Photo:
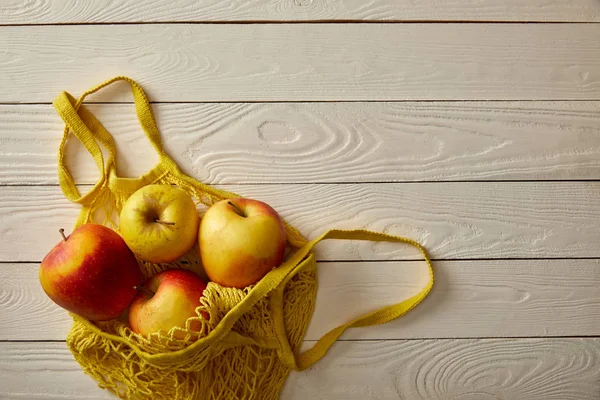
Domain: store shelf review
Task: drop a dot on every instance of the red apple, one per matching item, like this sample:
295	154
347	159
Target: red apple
91	273
240	241
165	301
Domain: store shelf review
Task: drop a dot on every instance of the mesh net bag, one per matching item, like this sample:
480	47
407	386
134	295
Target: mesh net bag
249	339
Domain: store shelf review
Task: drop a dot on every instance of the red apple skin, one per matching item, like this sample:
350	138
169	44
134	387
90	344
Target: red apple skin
177	294
92	273
238	250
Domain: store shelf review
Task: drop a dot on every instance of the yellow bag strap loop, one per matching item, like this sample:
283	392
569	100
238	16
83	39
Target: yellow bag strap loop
73	114
142	108
91	133
309	357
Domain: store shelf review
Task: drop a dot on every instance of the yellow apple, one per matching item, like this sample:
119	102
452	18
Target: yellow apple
91	273
159	223
240	241
167	300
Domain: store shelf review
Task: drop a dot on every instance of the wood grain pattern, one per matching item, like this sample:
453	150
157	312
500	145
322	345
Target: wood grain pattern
322	142
532	369
337	125
27	313
453	220
554	369
44	371
72	11
280	62
471	299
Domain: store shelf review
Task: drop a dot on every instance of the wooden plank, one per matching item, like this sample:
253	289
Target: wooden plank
556	369
44	371
322	142
72	11
280	62
530	369
471	299
453	220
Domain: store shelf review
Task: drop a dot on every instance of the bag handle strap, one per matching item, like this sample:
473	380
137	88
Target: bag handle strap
72	114
86	127
303	360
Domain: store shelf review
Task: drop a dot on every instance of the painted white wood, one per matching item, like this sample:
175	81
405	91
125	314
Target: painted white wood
531	369
471	299
73	11
555	369
322	142
44	371
274	62
293	145
453	220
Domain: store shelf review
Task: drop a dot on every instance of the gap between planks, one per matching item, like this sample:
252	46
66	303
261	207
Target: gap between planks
403	261
184	102
591	180
297	22
479	338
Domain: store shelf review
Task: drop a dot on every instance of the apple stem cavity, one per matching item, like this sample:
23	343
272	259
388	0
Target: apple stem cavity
237	210
62	232
143	289
164	222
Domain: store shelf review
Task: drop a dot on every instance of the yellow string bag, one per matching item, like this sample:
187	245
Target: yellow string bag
251	338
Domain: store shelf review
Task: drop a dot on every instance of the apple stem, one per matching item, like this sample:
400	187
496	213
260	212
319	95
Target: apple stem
143	289
164	222
62	232
237	210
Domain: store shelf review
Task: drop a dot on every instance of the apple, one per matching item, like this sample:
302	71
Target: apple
240	241
91	273
165	301
159	223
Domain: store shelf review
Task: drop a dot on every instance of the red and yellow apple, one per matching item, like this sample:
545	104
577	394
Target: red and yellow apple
167	300
159	223
240	241
91	273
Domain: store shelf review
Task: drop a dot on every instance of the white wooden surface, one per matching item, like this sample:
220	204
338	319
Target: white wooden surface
306	62
324	142
339	124
560	369
111	11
